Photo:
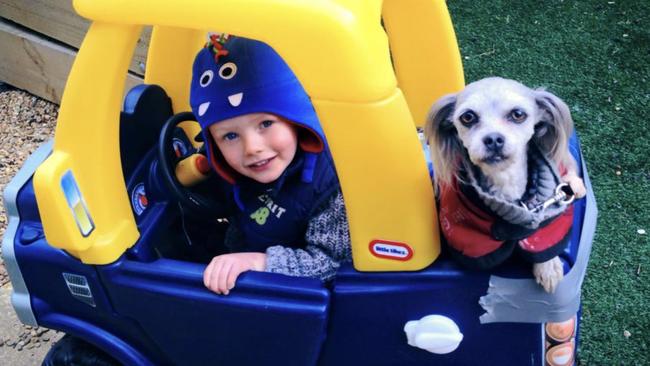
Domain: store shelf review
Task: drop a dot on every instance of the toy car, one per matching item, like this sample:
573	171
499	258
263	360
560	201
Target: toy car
102	242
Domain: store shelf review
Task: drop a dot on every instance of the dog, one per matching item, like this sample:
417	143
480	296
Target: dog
504	147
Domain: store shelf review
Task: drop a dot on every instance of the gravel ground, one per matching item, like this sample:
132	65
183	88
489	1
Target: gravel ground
25	123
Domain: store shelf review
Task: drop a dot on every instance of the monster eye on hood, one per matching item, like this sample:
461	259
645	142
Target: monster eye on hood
228	70
206	78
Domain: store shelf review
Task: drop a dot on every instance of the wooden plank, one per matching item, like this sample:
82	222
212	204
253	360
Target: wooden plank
39	66
58	20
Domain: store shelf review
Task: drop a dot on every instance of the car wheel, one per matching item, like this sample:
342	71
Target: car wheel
72	351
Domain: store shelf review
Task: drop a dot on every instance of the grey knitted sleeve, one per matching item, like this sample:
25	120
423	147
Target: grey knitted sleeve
328	245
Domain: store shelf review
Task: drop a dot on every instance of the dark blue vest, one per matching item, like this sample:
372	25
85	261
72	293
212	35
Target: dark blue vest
278	213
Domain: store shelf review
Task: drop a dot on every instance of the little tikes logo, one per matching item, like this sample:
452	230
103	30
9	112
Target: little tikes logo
391	250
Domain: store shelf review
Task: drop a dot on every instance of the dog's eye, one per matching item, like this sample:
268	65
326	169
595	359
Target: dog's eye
468	118
518	116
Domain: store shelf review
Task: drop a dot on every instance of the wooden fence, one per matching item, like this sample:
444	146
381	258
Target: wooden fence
38	42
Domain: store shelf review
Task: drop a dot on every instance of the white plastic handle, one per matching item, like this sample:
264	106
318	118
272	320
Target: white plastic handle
434	333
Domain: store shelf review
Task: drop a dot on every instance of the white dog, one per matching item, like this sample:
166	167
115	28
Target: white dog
500	149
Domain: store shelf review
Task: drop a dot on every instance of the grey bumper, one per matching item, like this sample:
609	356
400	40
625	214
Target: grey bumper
20	297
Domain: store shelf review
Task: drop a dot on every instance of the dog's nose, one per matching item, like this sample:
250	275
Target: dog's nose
494	141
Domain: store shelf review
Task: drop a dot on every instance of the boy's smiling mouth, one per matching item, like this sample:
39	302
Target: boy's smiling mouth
260	164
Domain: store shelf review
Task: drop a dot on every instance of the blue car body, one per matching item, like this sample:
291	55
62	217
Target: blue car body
148	309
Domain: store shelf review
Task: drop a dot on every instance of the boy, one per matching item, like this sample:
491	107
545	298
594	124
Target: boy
264	140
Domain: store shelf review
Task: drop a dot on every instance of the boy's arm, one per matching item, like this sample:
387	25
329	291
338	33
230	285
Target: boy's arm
328	245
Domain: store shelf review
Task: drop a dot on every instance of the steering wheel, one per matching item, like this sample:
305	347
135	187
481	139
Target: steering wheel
196	202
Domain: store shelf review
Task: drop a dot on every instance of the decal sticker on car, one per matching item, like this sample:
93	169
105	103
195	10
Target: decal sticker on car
79	288
139	200
391	250
560	342
180	149
77	204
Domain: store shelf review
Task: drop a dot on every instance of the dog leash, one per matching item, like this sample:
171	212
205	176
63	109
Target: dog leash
564	195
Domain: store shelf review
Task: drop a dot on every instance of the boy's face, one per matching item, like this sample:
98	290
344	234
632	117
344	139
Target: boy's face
259	146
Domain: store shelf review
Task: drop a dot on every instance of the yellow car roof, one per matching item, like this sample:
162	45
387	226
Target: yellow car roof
370	86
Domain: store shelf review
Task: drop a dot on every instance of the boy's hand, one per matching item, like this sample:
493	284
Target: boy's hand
222	272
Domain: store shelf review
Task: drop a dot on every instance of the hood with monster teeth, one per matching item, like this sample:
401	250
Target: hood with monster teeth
235	99
262	83
203	108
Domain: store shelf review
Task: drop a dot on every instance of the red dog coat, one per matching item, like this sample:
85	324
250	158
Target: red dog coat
480	239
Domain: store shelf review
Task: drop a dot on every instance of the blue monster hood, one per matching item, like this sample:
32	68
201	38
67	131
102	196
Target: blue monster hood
233	76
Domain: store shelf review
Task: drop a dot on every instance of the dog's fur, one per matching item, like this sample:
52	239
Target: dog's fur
501	117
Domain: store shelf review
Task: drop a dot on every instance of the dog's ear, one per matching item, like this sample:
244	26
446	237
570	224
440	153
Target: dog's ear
443	139
553	130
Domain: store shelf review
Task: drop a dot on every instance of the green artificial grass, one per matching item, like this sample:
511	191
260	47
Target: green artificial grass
595	55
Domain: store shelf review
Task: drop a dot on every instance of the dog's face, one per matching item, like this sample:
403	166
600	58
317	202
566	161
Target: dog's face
495	119
490	123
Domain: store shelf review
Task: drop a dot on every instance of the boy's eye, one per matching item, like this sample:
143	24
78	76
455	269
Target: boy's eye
206	78
228	70
266	123
229	136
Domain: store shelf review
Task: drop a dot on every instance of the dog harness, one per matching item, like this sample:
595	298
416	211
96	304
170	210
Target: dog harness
483	230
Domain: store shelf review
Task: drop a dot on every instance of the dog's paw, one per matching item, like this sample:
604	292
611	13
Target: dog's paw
549	273
576	183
